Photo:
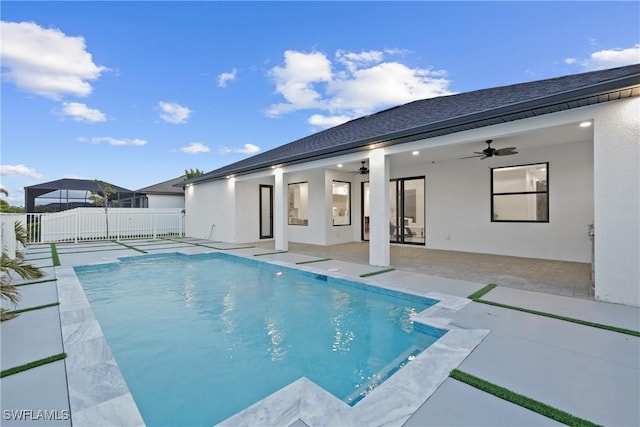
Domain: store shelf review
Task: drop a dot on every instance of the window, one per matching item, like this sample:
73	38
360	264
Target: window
298	203
341	203
520	193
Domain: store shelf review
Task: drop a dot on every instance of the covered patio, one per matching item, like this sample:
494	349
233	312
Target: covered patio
572	279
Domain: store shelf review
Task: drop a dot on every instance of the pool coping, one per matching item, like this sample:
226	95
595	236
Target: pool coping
98	393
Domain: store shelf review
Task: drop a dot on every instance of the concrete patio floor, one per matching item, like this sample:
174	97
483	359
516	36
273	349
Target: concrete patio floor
591	373
549	276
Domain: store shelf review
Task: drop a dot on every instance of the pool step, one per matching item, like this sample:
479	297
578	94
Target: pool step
361	392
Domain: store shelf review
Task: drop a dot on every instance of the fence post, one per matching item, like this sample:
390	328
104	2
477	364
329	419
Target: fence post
77	226
154	224
118	225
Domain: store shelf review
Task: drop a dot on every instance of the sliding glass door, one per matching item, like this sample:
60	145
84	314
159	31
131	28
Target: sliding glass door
406	211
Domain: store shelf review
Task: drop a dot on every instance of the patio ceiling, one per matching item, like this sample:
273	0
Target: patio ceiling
565	134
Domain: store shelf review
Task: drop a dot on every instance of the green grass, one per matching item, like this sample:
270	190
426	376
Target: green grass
213	247
84	251
520	400
374	273
313	260
130	247
32	365
566	319
37	307
54	255
482	292
271	253
35	282
476	297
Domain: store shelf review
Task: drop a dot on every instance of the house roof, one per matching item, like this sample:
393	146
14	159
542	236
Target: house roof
73	184
169	187
443	115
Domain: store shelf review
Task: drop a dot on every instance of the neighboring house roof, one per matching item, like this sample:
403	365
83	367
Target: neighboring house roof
447	114
171	187
72	184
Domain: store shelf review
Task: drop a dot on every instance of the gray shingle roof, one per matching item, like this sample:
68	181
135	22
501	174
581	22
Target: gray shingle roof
168	187
448	114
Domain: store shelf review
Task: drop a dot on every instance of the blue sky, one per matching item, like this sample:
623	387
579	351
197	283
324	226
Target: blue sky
134	93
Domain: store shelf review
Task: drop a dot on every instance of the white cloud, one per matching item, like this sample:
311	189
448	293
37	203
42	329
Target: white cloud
19	170
388	83
174	113
194	148
327	121
81	113
45	61
224	78
608	58
113	141
353	60
613	58
296	81
246	149
355	84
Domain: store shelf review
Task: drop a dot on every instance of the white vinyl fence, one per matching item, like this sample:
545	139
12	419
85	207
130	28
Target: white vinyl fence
83	224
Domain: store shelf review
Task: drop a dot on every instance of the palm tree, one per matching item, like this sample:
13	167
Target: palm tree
3	202
9	292
103	199
192	173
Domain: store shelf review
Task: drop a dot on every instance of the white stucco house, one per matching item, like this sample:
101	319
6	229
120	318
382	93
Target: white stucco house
564	154
165	194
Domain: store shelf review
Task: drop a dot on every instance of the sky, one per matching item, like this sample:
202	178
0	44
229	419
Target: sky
134	93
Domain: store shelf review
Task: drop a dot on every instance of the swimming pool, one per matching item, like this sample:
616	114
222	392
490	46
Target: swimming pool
200	337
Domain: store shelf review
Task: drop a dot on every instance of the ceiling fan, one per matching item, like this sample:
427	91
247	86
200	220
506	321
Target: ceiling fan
490	152
363	169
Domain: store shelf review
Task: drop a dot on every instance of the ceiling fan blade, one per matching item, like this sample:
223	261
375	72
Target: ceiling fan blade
471	157
505	151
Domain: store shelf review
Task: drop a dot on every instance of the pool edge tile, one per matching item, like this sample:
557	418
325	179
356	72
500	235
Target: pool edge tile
90	360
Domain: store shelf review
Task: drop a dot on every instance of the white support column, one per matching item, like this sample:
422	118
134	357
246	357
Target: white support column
379	247
280	212
617	202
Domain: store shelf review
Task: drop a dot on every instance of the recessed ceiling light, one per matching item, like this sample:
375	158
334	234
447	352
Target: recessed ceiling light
415	153
585	124
372	146
339	165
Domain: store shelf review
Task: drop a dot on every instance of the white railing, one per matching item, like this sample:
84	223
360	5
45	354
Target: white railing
84	224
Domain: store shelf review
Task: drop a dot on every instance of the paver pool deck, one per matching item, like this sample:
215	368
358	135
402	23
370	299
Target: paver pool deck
588	372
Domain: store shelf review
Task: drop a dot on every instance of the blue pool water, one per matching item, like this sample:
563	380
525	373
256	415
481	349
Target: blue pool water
199	338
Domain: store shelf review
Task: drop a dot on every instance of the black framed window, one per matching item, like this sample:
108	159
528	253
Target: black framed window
341	206
520	193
